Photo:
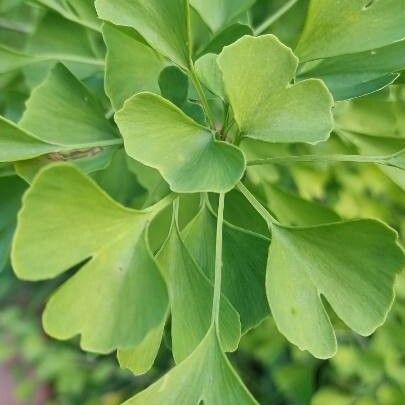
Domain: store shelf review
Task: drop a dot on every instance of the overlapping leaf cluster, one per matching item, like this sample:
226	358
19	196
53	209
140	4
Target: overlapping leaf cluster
132	121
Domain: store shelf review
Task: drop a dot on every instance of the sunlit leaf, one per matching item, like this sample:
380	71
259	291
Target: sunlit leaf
186	153
351	264
108	301
265	105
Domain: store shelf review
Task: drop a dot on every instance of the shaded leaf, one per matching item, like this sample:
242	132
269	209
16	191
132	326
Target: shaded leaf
131	65
191	295
243	264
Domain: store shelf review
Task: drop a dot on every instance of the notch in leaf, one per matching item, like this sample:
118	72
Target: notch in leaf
265	104
109	300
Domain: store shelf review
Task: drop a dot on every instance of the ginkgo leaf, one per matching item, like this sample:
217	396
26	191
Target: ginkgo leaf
218	13
206	376
185	153
62	111
355	75
336	28
265	105
11	191
243	264
131	65
191	294
16	144
351	264
163	24
109	300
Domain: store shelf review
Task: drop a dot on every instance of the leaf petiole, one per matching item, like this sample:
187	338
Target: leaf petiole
218	263
380	160
257	205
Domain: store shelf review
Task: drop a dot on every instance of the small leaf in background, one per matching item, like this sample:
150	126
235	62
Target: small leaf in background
337	28
219	13
265	105
173	85
108	301
11	191
191	295
186	153
210	75
164	25
206	376
353	265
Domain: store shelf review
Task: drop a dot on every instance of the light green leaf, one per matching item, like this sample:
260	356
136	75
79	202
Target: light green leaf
62	111
350	26
109	300
344	263
140	359
206	376
131	65
163	24
219	13
16	144
191	295
186	153
11	191
244	259
265	105
355	75
208	72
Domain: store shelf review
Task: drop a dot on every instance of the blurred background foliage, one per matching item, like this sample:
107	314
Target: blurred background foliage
38	370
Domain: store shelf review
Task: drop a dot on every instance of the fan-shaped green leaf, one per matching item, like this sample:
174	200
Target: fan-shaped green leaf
265	105
108	301
210	75
160	135
349	26
244	260
351	264
191	295
163	24
206	376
